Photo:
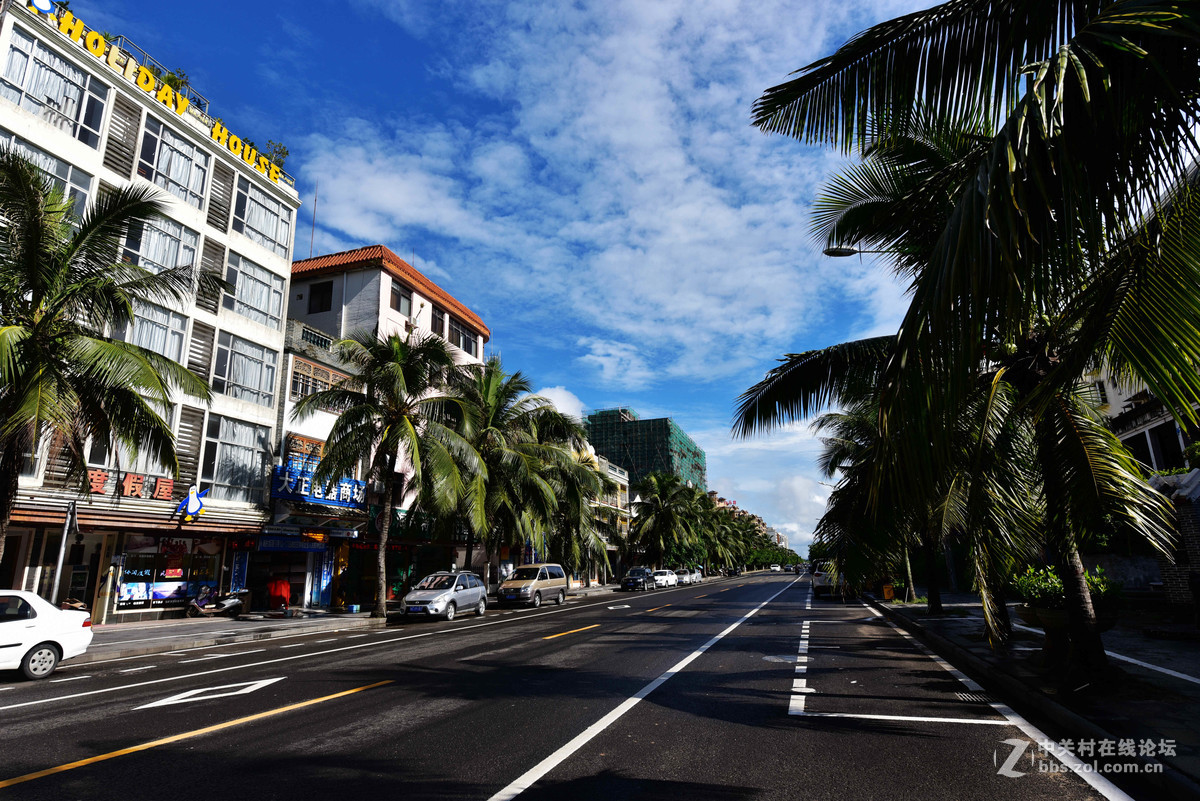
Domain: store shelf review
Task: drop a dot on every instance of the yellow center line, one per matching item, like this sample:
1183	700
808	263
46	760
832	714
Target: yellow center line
727	589
572	631
705	595
177	737
655	609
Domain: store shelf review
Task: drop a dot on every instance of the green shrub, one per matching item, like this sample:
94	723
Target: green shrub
1040	588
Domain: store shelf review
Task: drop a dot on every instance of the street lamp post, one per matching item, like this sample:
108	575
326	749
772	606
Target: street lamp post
843	251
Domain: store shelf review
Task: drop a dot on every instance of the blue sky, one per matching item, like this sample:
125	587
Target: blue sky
582	175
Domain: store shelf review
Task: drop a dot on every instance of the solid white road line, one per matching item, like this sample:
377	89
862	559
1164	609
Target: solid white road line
531	776
142	667
1074	763
71	678
973	721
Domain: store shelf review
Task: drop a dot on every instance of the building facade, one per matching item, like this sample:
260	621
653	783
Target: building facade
646	446
333	296
97	113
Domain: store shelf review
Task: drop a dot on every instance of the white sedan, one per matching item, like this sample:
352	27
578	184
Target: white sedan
684	576
665	578
35	635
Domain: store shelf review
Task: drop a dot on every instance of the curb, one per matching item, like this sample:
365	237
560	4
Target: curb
203	641
1172	781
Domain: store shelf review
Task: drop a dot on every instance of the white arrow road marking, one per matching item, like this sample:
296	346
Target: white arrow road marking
208	693
619	606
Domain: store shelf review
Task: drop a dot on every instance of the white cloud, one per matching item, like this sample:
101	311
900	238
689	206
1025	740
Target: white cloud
564	400
619	364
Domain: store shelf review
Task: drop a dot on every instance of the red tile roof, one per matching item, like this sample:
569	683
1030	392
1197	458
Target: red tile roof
378	256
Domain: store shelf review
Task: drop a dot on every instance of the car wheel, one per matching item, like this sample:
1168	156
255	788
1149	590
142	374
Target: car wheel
40	661
450	610
537	600
561	597
481	608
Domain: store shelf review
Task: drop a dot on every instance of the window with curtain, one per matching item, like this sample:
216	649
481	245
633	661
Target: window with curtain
99	454
262	218
401	298
257	292
438	322
66	178
244	370
462	337
157	329
173	162
235	459
39	81
161	243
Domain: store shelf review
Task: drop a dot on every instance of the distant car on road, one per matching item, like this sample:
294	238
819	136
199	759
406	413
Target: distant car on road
35	635
666	578
683	576
823	582
697	576
638	578
776	568
445	593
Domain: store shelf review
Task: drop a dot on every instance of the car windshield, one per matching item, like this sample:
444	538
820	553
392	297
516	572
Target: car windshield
523	574
661	572
436	583
637	571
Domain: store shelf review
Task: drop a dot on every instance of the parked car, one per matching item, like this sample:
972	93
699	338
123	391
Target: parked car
638	578
35	635
776	568
445	593
697	576
665	578
683	576
532	584
823	581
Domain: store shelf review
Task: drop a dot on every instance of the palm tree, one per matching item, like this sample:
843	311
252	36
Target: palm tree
515	434
576	532
63	291
666	513
396	421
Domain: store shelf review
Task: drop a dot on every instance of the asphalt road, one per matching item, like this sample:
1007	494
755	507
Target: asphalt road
733	690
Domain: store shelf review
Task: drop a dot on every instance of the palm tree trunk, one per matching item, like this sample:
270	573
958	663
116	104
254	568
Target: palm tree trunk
10	473
391	488
910	592
470	546
933	589
1087	649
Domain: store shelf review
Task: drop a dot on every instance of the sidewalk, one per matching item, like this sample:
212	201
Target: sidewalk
125	640
1155	697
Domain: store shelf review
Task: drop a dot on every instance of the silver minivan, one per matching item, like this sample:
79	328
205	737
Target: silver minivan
445	594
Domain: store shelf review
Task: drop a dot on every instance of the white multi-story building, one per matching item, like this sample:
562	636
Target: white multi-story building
332	297
95	113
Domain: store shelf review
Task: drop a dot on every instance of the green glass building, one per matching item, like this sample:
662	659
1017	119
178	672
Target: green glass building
646	446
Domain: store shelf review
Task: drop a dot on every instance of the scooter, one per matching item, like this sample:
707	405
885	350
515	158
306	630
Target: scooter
230	604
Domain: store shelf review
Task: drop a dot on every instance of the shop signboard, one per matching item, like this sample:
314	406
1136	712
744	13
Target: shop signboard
290	544
294	483
164	572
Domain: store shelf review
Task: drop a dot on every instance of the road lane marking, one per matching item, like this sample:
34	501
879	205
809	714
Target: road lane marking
209	693
705	595
184	736
314	654
131	670
331	639
220	656
655	609
71	678
1070	760
572	631
619	606
531	776
912	718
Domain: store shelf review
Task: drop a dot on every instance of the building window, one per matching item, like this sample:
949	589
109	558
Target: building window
157	329
303	453
309	378
262	218
401	298
257	292
73	182
173	163
320	297
462	337
438	324
235	457
63	95
1101	393
160	244
99	454
244	370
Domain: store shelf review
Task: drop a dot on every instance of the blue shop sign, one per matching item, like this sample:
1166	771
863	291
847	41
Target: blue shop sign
289	544
296	484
